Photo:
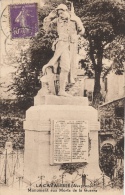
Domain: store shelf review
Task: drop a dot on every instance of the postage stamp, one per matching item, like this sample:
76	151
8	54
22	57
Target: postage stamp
23	20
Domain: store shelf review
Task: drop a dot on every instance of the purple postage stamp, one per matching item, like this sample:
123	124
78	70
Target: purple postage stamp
23	20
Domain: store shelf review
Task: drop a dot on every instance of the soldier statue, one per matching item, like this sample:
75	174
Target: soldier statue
68	27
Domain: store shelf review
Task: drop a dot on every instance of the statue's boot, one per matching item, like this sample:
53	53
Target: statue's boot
63	93
63	79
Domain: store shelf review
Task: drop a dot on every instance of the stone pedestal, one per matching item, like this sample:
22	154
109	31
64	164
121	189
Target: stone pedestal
38	134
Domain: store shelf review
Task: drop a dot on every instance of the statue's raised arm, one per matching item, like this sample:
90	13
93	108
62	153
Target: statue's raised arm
51	18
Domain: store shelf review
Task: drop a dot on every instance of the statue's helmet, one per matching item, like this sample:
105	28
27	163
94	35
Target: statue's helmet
62	7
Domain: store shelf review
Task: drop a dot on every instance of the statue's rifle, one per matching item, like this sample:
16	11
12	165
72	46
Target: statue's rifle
72	6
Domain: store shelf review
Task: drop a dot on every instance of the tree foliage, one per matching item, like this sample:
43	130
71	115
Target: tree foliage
115	51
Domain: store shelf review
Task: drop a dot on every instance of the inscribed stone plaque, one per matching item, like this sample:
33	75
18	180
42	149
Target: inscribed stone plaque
70	141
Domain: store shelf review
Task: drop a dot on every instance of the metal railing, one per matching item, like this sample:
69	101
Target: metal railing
10	163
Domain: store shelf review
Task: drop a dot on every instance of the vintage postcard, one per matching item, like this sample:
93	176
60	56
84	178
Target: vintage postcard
62	97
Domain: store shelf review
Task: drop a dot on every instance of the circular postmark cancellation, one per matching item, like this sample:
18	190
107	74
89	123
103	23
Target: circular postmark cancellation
23	20
4	22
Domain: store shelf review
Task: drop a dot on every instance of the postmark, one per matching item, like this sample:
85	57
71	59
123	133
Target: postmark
4	22
23	20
